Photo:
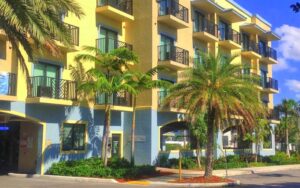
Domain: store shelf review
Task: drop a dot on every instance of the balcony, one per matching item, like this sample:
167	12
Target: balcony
121	101
169	108
8	83
108	44
206	31
270	85
274	116
230	39
119	10
250	50
52	91
173	57
269	55
74	37
173	14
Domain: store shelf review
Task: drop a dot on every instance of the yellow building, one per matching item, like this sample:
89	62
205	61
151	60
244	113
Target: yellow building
45	115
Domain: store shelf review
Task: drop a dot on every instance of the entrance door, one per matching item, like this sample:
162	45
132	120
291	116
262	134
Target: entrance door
9	147
116	145
108	40
46	80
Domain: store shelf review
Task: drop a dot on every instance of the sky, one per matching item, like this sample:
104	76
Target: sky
286	24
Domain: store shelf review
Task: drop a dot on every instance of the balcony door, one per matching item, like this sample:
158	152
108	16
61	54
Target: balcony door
166	44
168	7
199	22
224	30
264	77
108	40
262	47
46	80
246	41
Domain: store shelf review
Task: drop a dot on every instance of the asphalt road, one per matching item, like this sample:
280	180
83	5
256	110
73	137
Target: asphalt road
283	179
279	179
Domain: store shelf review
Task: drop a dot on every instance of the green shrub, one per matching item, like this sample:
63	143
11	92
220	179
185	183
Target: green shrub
117	168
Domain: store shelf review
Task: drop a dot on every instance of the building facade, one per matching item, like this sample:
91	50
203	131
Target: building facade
44	120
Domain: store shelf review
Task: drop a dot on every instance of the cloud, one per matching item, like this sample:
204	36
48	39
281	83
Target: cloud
288	47
293	85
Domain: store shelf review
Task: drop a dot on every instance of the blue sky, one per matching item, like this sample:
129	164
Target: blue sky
286	24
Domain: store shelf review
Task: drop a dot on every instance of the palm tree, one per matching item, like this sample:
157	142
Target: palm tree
288	108
260	131
107	78
216	87
107	86
142	82
198	128
28	22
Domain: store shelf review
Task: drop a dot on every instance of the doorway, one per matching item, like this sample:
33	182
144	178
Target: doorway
9	147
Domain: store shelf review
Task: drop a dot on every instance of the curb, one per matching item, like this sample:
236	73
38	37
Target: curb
235	183
65	178
239	171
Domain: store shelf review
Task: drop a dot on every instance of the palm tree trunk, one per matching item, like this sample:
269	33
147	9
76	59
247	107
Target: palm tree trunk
287	142
287	149
210	143
256	151
107	132
133	131
198	152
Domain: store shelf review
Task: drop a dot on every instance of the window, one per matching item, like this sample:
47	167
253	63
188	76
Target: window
73	137
2	49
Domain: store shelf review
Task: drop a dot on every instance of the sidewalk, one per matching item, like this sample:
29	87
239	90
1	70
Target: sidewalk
233	172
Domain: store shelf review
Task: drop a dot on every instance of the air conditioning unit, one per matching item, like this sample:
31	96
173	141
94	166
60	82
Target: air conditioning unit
44	91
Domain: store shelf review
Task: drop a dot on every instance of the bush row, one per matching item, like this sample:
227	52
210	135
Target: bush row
94	167
233	161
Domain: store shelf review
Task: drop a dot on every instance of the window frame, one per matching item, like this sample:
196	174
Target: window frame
85	139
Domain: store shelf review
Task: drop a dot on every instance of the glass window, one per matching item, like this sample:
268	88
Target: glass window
73	137
2	49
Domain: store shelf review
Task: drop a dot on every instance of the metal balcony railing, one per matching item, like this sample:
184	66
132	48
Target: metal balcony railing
74	34
41	86
251	46
206	25
229	34
274	114
271	83
117	99
8	84
122	5
173	53
171	7
268	52
108	44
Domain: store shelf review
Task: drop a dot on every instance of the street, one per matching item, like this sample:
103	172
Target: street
290	179
285	179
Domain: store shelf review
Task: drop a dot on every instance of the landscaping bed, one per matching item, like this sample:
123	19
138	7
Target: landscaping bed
94	167
233	161
202	179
